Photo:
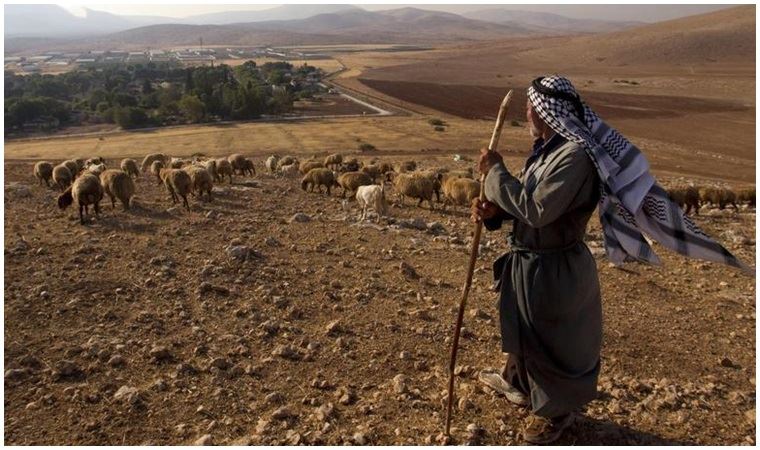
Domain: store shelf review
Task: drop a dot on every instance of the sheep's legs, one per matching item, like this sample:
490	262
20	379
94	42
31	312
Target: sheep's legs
81	217
97	209
113	203
184	200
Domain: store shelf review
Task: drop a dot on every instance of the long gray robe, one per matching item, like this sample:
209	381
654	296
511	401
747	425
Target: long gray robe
550	303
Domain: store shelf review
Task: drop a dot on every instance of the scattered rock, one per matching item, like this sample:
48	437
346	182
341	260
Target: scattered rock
408	271
333	328
160	353
117	361
283	413
127	394
399	384
287	352
16	374
206	439
299	218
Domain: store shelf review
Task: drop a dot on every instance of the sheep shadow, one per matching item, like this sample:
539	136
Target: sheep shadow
590	431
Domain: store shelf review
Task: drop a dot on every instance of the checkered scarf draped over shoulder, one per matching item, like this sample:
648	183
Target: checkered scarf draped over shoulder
632	203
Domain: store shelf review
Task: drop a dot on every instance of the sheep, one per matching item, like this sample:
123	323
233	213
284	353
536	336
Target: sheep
117	184
129	166
224	169
178	183
155	169
62	176
73	168
86	191
308	165
415	186
685	195
746	196
407	166
80	163
43	170
436	178
248	167
317	178
373	170
96	169
458	173
177	163
718	196
271	163
210	166
351	165
286	161
201	181
350	181
372	196
238	163
91	161
385	168
290	170
333	161
460	191
148	160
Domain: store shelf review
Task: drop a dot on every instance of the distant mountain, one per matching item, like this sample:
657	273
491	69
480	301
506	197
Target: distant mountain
284	12
347	26
547	22
54	21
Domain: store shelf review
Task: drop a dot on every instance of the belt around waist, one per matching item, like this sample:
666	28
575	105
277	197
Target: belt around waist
514	247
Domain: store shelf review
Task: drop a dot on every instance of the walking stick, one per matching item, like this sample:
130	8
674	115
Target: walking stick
473	257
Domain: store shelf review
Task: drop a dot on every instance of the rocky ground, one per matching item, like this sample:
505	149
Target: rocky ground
272	316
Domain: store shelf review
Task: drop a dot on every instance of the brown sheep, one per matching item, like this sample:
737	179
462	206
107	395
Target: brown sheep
306	166
318	177
86	191
350	181
155	169
248	167
62	176
117	184
373	170
73	168
148	160
718	196
43	170
224	169
685	195
238	163
385	168
129	166
460	191
201	181
351	165
415	186
178	183
746	196
407	166
333	161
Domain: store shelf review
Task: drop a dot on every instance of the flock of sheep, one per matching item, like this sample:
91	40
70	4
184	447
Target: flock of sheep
693	197
87	181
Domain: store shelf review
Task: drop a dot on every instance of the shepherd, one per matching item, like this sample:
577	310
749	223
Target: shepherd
550	303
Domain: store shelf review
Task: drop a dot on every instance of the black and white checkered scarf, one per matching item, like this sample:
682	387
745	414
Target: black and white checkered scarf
631	201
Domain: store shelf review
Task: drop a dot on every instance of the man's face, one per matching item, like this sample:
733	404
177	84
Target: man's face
535	124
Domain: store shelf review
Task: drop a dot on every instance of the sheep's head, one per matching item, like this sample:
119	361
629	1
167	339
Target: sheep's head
304	183
66	199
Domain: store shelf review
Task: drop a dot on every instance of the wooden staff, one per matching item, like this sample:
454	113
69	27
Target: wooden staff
473	257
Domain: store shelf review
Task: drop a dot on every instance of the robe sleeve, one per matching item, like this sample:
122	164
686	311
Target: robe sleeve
552	195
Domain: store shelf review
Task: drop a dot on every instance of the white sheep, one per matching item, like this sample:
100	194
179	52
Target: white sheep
290	170
372	196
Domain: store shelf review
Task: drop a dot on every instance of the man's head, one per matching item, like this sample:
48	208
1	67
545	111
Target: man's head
538	128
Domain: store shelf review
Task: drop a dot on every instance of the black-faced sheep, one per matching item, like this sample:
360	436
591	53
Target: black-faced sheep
177	163
43	170
415	186
62	176
201	181
460	191
372	196
373	170
129	166
349	181
407	166
351	165
333	161
86	191
117	184
239	164
148	160
224	169
248	167
317	178
685	195
178	183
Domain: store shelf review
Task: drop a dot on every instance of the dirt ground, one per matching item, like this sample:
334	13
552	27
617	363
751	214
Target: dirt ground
236	323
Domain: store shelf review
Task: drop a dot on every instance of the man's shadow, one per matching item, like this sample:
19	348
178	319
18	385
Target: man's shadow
589	431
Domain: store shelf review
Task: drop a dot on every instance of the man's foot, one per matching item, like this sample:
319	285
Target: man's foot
540	430
495	381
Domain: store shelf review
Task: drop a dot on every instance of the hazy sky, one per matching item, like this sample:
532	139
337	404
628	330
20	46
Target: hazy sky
644	13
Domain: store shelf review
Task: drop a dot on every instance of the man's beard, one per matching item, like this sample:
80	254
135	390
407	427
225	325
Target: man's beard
535	132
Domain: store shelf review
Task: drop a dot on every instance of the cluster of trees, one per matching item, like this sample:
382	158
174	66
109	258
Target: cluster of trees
154	94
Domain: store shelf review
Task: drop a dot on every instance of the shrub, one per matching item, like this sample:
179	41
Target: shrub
365	147
436	122
440	128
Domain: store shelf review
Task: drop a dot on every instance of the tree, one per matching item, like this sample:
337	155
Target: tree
130	117
191	107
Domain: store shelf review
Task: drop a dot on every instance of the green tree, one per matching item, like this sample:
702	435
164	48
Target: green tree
130	117
191	107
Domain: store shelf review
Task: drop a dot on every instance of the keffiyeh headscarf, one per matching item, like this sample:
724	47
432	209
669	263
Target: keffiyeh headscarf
631	201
